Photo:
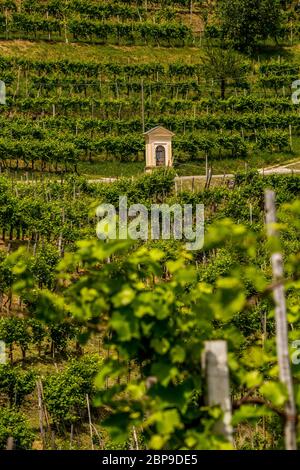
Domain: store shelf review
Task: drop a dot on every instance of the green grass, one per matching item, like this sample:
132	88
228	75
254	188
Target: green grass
110	169
106	169
232	165
46	50
220	166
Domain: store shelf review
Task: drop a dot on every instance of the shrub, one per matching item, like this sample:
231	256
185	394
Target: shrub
14	424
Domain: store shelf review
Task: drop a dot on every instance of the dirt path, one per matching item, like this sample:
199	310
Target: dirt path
289	169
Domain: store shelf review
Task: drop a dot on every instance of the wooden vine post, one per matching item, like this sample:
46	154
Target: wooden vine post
285	374
291	137
41	413
143	104
90	420
10	445
191	11
215	366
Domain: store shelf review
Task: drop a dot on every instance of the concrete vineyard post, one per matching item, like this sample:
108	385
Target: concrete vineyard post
285	374
215	365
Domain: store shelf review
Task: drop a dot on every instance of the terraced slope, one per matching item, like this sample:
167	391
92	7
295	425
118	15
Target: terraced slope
82	106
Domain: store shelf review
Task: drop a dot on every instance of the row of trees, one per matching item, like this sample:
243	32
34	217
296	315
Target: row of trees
43	215
130	147
105	69
123	9
38	215
72	128
192	89
257	20
27	334
117	108
170	33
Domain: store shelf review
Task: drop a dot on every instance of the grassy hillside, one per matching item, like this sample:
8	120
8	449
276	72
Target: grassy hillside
89	110
84	79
